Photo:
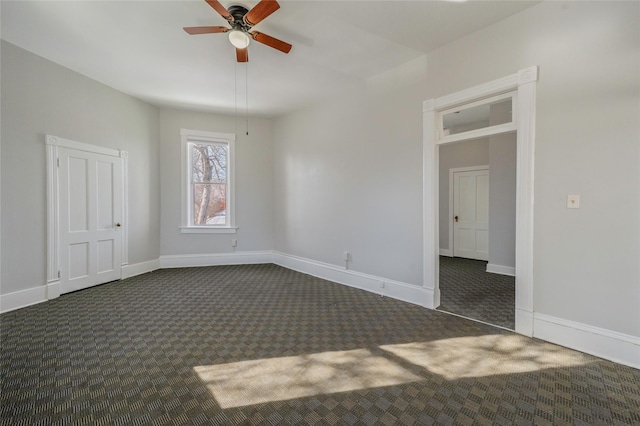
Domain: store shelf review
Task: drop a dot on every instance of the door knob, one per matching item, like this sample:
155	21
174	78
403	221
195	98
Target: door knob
118	225
455	218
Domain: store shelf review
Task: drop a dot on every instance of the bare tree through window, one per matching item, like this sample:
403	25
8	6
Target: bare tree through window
209	183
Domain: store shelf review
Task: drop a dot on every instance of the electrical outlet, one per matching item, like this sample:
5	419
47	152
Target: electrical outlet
573	201
234	243
346	256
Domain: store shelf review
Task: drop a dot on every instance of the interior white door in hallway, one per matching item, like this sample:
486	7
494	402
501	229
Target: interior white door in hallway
471	214
90	200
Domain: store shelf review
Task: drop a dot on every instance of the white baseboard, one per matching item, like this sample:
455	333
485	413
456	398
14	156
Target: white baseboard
614	346
502	270
28	297
617	347
129	271
445	252
22	298
214	259
338	274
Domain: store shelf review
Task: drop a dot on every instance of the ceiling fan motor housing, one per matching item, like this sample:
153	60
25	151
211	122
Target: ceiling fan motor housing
238	13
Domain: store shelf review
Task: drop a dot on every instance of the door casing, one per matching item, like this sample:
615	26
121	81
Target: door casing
53	144
524	112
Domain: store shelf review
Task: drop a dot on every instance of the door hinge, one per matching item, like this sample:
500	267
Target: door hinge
58	161
58	274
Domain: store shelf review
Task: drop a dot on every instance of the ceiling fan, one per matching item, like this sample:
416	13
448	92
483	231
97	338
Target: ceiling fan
241	21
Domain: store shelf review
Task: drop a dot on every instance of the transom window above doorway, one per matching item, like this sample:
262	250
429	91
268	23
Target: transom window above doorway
477	119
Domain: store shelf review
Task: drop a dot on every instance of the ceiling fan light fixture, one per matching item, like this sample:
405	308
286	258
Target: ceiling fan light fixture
239	39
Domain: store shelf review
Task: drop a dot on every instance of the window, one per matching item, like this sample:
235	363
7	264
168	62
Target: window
207	182
474	120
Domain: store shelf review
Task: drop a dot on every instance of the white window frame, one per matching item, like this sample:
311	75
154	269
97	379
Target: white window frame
189	137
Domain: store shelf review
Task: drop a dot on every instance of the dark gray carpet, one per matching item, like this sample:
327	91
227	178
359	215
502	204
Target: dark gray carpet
467	289
262	344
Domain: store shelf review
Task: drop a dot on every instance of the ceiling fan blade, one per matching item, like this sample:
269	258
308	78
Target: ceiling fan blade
220	9
260	11
271	41
242	55
205	30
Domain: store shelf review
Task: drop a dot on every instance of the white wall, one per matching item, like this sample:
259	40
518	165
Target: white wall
254	184
39	98
348	171
348	177
502	194
0	161
451	156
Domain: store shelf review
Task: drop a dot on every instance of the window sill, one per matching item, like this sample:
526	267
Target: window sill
208	230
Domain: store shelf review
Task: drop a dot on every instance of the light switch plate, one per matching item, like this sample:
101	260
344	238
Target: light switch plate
573	201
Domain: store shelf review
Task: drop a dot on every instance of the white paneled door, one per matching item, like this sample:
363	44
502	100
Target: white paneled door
90	197
471	214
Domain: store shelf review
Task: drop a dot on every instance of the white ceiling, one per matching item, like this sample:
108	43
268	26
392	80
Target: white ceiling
139	47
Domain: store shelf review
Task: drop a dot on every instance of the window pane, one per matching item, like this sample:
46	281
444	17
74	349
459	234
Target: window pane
209	163
478	117
209	184
209	203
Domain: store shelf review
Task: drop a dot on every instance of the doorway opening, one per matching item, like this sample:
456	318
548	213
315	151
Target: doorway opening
438	115
477	229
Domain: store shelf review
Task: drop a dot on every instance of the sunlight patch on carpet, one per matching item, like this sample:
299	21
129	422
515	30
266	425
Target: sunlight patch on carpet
278	379
259	381
489	355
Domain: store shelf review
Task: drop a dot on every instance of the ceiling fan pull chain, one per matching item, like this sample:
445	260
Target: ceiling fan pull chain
235	93
246	88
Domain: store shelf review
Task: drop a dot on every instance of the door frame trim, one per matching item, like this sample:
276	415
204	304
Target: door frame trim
452	171
524	82
53	144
